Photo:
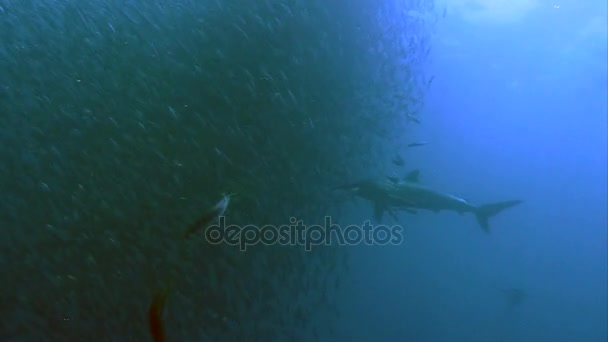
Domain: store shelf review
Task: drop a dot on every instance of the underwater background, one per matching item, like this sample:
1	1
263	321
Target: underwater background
126	127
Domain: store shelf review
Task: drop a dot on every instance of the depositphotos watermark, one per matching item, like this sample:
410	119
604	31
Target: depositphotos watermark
297	233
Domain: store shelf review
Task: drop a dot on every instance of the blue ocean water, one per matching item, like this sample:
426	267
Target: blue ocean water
517	109
127	127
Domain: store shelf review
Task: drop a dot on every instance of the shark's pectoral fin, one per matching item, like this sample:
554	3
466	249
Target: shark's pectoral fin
393	179
410	211
379	210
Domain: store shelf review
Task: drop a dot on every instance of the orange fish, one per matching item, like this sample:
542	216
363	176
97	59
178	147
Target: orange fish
155	316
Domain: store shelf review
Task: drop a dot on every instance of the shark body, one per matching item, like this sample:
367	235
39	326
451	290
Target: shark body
514	296
408	195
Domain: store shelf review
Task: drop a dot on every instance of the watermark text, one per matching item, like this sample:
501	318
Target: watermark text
297	233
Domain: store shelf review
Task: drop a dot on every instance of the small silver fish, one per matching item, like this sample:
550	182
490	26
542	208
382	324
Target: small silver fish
216	211
417	143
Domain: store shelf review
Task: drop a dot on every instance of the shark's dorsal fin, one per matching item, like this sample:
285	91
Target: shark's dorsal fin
412	176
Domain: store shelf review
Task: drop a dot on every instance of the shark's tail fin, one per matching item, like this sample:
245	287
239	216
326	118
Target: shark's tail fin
484	212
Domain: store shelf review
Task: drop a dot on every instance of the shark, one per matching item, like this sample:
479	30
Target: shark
407	194
514	296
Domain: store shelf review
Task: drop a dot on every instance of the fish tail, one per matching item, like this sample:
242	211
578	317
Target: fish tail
217	210
155	315
484	212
